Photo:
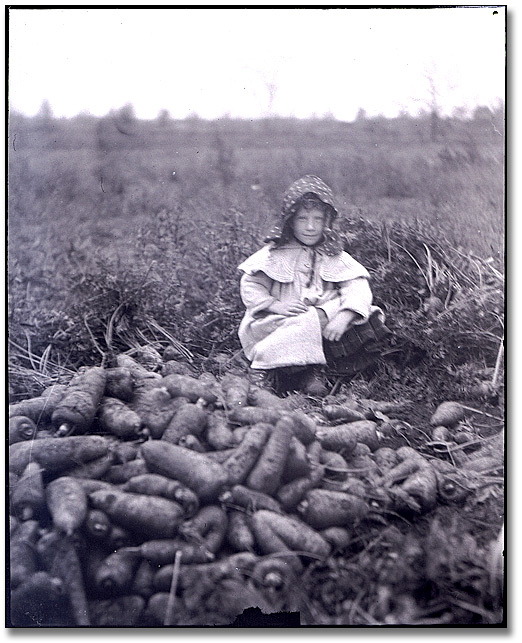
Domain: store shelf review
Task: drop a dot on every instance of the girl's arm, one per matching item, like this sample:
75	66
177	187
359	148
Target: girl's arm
356	295
255	292
352	305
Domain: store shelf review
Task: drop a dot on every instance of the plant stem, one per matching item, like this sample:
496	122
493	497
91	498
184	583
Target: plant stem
469	408
497	364
169	612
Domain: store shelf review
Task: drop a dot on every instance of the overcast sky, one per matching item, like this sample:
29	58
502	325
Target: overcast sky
255	62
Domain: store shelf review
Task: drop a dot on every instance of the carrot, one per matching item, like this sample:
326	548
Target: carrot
122	611
94	469
386	407
118	538
240	432
204	476
272	530
323	508
267	472
145	515
28	498
362	463
207	528
274	574
189	419
239	531
441	434
249	499
463	437
189	387
290	494
334	464
313	454
163	551
148	357
233	598
345	412
55	455
240	463
357	487
39	409
235	389
14	523
155	408
253	415
338	537
143	583
265	399
115	573
304	427
422	487
21	428
154	484
67	503
140	374
156	609
97	524
220	456
44	433
297	464
117	418
361	449
121	473
447	414
119	383
124	451
210	381
452	486
77	408
409	463
207	574
344	437
172	366
412	483
366	433
385	458
218	433
12	481
191	442
89	485
61	560
23	561
37	601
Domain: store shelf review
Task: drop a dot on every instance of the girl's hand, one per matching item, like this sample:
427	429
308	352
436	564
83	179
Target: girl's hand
288	308
336	328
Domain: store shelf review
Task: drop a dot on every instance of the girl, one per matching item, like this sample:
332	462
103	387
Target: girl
300	288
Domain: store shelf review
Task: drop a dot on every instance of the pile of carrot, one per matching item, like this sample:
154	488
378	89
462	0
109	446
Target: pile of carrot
142	494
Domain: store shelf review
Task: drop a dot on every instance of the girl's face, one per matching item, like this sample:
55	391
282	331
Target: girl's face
308	226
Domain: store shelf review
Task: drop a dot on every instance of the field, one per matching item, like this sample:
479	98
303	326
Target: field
124	234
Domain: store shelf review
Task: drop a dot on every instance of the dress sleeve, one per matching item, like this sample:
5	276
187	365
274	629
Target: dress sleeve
356	295
255	292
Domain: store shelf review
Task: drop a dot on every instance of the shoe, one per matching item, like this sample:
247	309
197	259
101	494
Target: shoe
314	384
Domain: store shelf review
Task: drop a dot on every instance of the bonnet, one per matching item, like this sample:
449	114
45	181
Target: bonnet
309	184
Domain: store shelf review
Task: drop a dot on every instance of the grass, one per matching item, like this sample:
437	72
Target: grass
110	251
103	235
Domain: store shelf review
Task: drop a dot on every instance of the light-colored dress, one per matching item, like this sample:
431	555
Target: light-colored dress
289	272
